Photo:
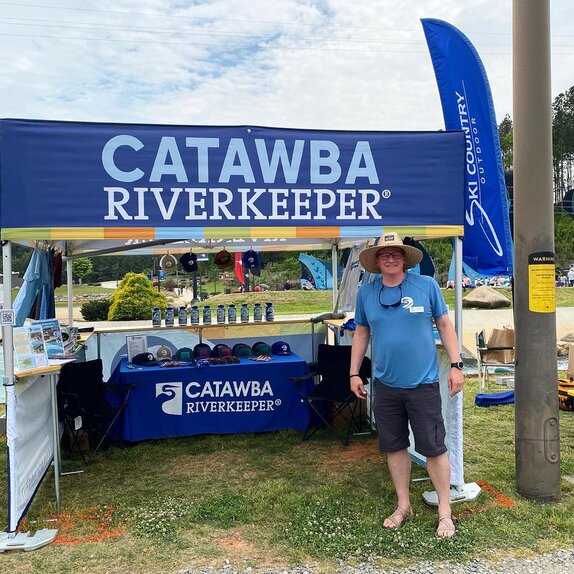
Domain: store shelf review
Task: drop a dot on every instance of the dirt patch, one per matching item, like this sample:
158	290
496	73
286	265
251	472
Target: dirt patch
333	460
233	541
367	450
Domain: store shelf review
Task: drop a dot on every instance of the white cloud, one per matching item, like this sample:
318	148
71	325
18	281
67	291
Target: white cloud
332	64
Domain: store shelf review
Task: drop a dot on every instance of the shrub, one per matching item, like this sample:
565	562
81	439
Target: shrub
170	284
135	298
96	310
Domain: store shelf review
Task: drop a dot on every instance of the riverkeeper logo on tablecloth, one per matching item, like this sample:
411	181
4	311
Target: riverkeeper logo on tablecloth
216	397
173	404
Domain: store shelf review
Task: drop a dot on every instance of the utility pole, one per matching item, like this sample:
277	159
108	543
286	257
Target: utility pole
536	401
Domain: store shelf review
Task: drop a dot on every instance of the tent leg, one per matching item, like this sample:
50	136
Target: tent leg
335	283
70	285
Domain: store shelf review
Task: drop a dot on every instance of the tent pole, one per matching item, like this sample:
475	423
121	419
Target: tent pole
70	285
8	335
334	257
7	330
456	446
458	290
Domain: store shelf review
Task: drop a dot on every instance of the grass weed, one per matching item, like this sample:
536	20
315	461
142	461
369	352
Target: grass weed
270	500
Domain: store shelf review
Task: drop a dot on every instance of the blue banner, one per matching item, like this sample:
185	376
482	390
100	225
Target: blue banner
83	175
467	105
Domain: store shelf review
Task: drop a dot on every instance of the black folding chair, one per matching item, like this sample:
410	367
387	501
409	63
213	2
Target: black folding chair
82	397
332	396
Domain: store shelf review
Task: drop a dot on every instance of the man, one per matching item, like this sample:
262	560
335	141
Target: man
397	312
571	276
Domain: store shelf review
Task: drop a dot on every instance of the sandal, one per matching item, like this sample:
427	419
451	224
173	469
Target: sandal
443	529
404	515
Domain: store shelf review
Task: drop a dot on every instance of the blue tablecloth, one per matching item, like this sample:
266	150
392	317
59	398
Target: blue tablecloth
181	401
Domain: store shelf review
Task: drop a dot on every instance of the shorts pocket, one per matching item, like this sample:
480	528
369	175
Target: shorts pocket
440	433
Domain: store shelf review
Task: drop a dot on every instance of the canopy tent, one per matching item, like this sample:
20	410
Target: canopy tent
87	188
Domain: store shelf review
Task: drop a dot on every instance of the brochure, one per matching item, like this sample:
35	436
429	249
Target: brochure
52	337
29	348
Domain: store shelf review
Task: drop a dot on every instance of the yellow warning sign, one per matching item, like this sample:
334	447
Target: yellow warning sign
541	283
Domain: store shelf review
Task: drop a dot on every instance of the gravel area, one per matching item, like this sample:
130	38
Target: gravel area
559	562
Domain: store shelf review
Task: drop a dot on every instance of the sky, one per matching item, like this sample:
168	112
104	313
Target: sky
313	64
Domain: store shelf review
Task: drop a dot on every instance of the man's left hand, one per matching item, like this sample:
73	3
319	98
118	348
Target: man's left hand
455	381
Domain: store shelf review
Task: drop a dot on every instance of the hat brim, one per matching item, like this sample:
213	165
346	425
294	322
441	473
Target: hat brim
368	257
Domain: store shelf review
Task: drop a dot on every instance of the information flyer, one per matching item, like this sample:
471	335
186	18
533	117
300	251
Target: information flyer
29	348
52	337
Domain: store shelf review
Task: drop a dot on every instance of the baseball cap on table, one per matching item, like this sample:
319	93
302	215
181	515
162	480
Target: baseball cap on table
242	350
144	359
281	348
202	351
261	348
224	259
189	262
163	353
221	350
184	354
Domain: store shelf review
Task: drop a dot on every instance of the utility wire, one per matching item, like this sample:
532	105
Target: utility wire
180	17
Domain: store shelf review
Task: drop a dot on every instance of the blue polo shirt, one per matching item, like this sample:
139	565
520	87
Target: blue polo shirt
402	341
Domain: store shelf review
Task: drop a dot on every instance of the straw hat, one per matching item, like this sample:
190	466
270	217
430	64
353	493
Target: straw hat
368	257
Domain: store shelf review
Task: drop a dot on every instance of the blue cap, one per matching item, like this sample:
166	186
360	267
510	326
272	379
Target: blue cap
250	259
281	348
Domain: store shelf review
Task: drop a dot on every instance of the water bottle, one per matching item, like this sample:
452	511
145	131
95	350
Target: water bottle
244	314
194	315
156	317
182	316
169	316
231	313
220	314
207	315
257	313
269	312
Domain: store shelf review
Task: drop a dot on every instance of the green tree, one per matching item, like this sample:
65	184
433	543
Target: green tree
564	239
505	135
563	143
135	298
81	267
440	251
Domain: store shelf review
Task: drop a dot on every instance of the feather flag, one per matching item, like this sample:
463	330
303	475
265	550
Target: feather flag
467	105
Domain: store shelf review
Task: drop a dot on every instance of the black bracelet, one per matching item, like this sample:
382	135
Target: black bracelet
351	376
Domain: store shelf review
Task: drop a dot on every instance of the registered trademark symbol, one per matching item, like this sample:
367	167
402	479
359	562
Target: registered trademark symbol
386	193
277	402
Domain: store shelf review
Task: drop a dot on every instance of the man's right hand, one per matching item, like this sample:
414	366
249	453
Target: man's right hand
358	388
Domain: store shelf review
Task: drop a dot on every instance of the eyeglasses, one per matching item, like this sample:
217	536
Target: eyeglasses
396	303
386	256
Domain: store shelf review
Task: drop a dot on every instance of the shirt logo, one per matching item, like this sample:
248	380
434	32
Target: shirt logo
407	302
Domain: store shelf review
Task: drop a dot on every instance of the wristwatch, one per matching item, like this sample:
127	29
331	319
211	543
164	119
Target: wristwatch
458	365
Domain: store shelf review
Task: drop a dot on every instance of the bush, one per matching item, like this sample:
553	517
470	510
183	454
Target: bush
135	298
170	284
96	310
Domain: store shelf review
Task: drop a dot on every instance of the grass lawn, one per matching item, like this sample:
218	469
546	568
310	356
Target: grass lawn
296	301
270	500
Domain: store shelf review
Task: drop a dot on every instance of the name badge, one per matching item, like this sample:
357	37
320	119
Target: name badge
416	309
